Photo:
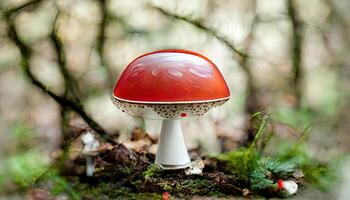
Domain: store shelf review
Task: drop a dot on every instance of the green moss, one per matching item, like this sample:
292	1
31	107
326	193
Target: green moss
89	190
196	186
188	187
217	194
166	186
151	171
110	191
245	161
127	170
136	183
241	162
260	172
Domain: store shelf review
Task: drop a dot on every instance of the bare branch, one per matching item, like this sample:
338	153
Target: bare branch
71	86
202	26
336	17
26	54
296	49
29	4
252	104
101	40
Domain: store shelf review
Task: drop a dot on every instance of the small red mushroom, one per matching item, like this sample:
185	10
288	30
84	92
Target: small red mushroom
287	187
165	196
280	184
169	85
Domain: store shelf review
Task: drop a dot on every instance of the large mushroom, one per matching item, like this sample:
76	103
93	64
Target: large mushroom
170	85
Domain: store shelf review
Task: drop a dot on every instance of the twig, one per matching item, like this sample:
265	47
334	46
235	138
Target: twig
337	59
202	26
296	50
26	54
71	86
101	40
27	5
263	124
252	104
335	17
67	82
303	137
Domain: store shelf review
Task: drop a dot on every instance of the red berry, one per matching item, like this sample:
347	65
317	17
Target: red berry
280	184
165	196
183	115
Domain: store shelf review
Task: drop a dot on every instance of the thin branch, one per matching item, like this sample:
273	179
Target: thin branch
335	17
337	59
128	29
103	23
26	54
202	26
101	40
296	49
252	103
71	86
29	4
263	118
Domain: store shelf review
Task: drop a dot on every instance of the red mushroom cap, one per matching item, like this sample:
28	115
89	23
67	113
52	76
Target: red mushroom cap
171	76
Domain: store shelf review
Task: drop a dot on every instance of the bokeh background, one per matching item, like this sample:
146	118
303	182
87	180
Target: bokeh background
289	58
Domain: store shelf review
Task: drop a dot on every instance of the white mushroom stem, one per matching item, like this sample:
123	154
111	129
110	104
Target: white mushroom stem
89	150
90	166
172	152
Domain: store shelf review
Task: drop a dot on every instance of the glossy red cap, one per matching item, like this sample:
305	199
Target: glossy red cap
171	76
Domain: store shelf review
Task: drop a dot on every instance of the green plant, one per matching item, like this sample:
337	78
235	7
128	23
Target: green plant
23	168
261	172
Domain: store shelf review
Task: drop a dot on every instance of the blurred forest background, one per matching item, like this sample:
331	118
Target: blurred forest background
59	61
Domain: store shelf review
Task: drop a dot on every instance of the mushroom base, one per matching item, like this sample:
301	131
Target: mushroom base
172	152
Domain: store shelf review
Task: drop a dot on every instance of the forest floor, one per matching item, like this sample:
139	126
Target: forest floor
128	172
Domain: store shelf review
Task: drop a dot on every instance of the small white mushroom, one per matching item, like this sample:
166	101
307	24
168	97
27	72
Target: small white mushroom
196	167
291	187
91	145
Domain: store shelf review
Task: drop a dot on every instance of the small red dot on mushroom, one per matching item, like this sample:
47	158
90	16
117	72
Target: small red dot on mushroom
183	115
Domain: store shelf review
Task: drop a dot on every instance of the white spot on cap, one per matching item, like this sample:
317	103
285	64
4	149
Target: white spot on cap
175	73
155	72
139	65
197	73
